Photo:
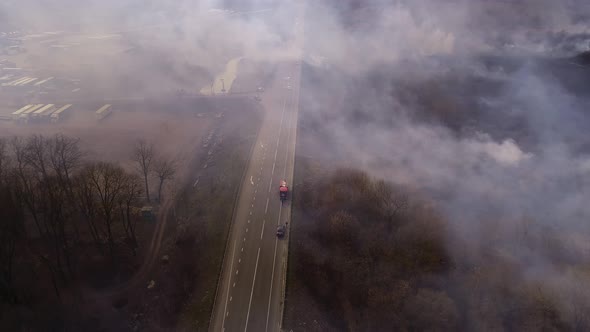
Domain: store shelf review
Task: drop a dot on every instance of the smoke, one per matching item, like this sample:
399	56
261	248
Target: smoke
146	46
477	104
385	31
409	44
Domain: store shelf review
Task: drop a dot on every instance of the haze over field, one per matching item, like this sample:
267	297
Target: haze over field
481	107
207	34
514	172
155	43
503	124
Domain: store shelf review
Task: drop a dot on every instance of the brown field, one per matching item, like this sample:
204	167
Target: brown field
112	139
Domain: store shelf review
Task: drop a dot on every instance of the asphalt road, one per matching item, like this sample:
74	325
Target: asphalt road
251	289
250	295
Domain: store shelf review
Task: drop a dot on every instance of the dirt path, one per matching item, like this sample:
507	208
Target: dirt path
155	245
148	261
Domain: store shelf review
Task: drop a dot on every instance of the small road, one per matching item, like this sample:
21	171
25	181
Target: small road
250	294
140	278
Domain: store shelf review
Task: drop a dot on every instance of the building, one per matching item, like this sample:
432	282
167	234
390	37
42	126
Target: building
104	111
17	113
43	111
60	113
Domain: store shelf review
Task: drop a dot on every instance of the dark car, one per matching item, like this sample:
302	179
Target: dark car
281	231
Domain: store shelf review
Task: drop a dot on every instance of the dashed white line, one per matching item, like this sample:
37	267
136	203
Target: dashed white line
280	210
252	291
262	231
246	232
227	295
278	222
271	284
272	277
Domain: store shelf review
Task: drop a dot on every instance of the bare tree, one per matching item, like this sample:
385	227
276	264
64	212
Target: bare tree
37	156
65	157
11	232
85	197
52	206
143	155
43	156
26	191
131	192
164	170
4	160
108	181
43	196
25	176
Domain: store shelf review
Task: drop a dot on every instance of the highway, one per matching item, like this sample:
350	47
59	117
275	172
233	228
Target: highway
250	294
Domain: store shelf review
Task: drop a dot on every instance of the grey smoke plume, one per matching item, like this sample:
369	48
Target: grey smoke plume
476	103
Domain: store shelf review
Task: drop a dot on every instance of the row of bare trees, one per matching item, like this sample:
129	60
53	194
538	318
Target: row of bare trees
363	248
150	163
54	205
374	256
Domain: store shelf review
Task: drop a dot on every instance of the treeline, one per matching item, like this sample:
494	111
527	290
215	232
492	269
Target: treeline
367	253
57	211
374	257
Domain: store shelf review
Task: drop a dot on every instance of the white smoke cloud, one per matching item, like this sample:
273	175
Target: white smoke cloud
506	153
